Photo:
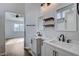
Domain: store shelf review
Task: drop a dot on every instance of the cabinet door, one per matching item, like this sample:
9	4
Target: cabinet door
46	50
43	49
60	52
49	50
33	46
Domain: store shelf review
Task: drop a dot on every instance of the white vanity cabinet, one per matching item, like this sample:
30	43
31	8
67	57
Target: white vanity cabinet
36	46
46	50
49	50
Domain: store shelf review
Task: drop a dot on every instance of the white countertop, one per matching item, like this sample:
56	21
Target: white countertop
69	47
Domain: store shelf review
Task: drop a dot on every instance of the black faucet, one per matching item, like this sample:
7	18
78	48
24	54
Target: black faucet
62	38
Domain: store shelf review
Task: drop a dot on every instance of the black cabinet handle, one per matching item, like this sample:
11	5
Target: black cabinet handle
54	53
31	41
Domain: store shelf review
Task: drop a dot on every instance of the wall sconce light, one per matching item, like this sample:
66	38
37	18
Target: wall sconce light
47	7
48	4
42	4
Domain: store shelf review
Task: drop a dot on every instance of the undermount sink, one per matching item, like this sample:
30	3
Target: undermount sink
63	44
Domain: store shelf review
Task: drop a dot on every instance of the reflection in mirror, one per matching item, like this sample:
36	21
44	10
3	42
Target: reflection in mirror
66	18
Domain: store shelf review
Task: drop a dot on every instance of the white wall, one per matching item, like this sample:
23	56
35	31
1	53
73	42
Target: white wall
19	8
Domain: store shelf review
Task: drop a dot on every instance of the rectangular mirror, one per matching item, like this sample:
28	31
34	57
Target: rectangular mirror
66	18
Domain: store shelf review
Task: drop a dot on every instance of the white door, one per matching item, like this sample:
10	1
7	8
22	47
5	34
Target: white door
30	25
30	33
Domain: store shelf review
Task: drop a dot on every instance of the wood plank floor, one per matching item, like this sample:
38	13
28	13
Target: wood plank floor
15	47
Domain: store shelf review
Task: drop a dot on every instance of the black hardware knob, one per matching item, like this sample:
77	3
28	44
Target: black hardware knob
68	41
63	40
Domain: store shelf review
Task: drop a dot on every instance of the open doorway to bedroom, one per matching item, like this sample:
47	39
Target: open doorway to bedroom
14	34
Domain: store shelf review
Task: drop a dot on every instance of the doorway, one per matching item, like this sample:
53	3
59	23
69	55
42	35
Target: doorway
14	34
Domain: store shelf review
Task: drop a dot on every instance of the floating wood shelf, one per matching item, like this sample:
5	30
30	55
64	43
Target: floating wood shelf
49	22
50	18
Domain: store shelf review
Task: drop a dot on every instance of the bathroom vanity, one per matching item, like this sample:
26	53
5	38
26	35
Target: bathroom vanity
56	48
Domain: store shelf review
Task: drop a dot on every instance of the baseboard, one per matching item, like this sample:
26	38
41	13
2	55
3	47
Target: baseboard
30	51
2	54
27	48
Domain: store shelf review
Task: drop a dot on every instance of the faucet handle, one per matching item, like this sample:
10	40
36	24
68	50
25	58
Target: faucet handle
68	41
59	39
